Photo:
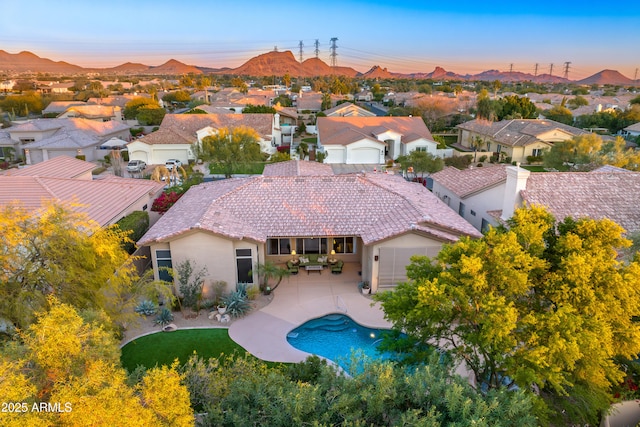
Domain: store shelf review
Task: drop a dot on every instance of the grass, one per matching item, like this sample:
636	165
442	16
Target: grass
163	348
313	140
534	168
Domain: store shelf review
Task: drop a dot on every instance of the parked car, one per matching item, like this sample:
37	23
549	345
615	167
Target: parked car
136	166
172	163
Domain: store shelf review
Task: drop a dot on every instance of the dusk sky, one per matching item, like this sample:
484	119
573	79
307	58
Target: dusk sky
463	36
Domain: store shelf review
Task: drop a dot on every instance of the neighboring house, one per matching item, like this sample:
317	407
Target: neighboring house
473	193
178	132
42	139
493	193
55	108
365	96
101	113
632	131
309	102
368	140
348	109
68	180
376	221
516	139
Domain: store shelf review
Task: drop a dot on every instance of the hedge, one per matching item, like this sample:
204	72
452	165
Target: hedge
138	223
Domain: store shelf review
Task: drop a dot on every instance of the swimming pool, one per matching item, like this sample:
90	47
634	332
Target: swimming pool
335	337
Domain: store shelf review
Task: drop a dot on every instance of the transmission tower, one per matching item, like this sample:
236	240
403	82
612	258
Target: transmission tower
566	70
535	73
301	45
317	45
551	69
334	55
635	76
511	68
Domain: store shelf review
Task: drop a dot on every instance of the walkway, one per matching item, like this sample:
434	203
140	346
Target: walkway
300	298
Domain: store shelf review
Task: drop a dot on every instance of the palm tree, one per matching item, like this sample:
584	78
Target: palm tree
268	271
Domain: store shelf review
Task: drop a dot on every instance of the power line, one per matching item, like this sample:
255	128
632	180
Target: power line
334	55
566	70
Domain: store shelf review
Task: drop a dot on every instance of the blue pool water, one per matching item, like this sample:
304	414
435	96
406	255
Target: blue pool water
336	337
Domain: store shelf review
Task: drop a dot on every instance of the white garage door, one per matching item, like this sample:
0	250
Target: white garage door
164	155
365	156
392	267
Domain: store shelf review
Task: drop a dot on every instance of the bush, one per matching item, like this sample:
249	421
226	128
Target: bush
165	201
146	308
459	162
164	318
98	170
81	157
236	303
483	158
137	223
534	159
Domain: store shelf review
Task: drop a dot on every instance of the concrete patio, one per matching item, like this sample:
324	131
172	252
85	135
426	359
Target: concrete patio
299	298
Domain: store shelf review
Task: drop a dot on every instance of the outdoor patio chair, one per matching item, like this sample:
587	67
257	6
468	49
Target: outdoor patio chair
337	267
293	268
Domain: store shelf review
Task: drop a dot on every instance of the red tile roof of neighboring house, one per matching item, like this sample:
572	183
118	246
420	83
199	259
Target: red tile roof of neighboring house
517	132
372	206
188	124
58	167
332	130
466	182
596	195
297	168
103	200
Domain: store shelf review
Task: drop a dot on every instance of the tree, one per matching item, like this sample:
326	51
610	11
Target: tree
577	101
421	162
151	116
326	101
190	283
261	109
587	152
228	149
132	107
496	85
57	251
268	271
541	304
516	107
178	96
73	365
560	114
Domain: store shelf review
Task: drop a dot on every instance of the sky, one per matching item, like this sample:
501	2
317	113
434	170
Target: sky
402	36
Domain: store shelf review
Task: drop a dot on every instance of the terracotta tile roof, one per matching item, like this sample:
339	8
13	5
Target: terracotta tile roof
517	132
466	182
61	106
188	124
588	194
332	130
93	111
372	206
297	168
347	109
58	167
70	132
103	200
167	136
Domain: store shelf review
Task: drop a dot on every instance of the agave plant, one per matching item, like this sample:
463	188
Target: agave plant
164	317
146	308
236	303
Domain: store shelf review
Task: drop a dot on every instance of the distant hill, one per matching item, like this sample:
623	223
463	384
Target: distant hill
281	63
607	77
25	62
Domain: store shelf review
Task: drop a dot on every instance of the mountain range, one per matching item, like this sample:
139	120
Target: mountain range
281	63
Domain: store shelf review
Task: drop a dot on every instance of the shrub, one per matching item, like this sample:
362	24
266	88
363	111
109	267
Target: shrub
137	223
164	317
81	157
483	158
534	159
146	308
236	303
107	159
165	201
459	162
98	170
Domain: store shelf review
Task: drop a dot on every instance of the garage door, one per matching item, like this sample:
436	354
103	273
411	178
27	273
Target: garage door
365	156
164	155
392	267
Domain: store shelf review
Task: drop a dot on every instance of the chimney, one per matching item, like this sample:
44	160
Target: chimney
516	182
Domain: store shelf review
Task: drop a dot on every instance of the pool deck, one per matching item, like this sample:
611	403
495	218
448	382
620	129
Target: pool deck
300	298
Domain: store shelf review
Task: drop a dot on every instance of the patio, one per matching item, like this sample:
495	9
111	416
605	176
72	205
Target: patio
300	298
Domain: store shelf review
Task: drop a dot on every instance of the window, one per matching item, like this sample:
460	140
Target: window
488	146
344	245
472	212
311	245
485	226
499	148
461	209
163	259
244	265
26	140
537	152
421	148
278	246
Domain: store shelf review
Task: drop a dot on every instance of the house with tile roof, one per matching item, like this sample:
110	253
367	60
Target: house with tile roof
42	139
632	131
516	139
348	109
493	193
101	113
68	180
178	132
370	140
374	220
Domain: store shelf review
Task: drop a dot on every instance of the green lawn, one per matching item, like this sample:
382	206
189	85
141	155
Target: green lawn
163	347
313	140
244	169
534	168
